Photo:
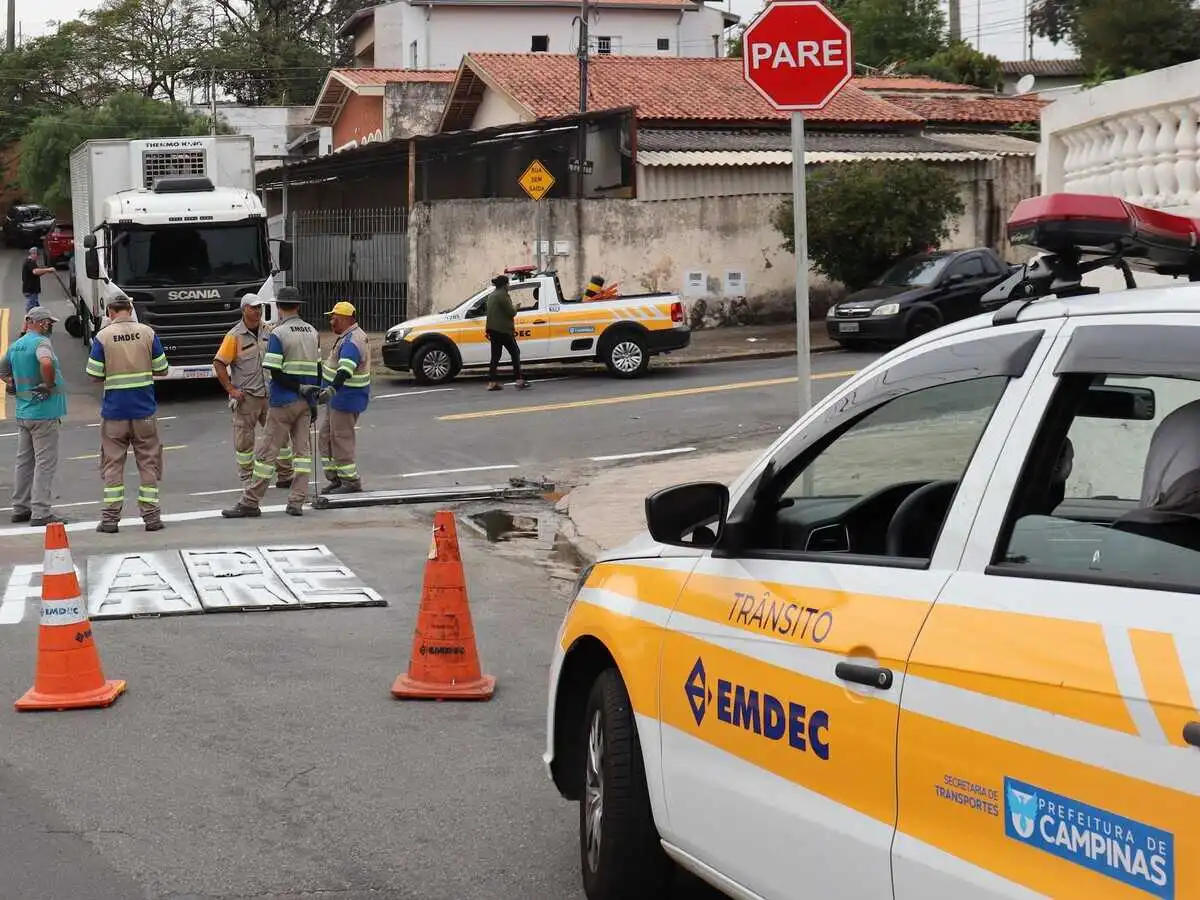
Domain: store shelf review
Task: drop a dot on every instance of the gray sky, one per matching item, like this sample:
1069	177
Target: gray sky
996	26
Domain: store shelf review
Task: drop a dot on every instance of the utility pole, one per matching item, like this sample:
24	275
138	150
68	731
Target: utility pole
212	71
583	91
955	20
10	41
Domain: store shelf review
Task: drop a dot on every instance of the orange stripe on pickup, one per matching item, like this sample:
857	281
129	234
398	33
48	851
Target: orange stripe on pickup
1165	683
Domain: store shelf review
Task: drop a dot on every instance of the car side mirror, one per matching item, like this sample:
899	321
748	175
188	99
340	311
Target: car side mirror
957	278
688	515
91	261
285	256
89	241
74	326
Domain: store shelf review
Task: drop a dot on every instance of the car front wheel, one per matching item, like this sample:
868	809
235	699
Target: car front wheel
620	852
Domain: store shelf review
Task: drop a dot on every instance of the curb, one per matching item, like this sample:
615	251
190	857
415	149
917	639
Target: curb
752	354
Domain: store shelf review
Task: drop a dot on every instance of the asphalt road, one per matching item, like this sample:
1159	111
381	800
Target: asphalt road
411	436
261	755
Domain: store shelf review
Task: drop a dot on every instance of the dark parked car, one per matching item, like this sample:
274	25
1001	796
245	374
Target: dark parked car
59	244
915	296
26	224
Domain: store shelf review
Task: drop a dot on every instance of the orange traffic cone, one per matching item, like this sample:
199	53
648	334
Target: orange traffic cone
68	674
444	664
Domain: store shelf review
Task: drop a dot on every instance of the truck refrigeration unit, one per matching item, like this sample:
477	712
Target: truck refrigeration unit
174	224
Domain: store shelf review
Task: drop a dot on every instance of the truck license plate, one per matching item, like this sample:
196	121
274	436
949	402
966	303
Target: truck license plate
845	327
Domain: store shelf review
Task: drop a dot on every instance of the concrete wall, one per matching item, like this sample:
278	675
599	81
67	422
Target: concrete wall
720	253
413	107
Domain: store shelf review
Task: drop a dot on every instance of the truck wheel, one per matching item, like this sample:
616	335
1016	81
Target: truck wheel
625	355
434	363
619	849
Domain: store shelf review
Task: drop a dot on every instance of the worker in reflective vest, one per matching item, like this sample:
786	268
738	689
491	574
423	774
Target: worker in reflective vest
126	355
346	387
293	361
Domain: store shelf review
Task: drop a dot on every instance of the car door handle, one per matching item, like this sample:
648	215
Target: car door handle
539	321
1191	733
872	676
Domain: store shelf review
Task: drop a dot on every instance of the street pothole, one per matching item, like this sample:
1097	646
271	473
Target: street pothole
500	526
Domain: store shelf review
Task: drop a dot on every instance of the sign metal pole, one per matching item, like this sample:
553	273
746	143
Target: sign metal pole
800	236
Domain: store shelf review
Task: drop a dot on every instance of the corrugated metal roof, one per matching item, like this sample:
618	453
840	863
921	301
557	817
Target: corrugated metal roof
784	157
677	139
999	144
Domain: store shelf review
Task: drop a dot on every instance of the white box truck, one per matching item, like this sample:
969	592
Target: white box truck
174	223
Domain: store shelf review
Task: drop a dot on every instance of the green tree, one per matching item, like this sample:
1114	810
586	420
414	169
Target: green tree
1120	39
863	216
150	46
960	63
48	142
893	31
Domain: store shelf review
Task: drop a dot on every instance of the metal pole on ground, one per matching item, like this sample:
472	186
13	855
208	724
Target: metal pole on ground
800	236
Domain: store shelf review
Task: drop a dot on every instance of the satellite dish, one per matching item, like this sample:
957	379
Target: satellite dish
1025	85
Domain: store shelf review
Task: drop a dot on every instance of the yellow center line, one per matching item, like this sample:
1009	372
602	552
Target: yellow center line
632	398
97	455
3	350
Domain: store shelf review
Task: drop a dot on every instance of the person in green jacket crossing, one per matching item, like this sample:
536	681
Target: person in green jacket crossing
31	371
501	332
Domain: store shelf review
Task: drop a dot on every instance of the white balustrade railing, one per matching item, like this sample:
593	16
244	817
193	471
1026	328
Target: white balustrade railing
1137	138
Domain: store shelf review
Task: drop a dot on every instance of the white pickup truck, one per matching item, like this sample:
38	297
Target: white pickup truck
622	333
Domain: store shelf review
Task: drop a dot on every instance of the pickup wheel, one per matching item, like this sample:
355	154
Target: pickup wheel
434	363
619	848
625	355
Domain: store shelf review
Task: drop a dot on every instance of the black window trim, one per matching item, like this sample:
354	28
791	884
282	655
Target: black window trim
1004	355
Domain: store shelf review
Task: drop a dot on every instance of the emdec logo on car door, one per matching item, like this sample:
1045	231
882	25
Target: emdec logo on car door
758	712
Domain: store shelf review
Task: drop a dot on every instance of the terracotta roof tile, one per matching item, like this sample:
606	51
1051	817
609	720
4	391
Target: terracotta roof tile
912	83
662	88
363	77
973	110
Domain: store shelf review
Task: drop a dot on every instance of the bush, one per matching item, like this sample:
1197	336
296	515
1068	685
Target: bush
863	216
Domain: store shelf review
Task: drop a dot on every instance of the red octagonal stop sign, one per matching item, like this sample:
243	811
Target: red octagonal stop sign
797	54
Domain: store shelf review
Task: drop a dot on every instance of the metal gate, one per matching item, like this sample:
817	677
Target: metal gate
360	255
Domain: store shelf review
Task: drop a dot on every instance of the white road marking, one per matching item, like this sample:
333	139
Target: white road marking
20	589
455	471
60	505
538	380
214	493
411	393
133	521
11	434
617	456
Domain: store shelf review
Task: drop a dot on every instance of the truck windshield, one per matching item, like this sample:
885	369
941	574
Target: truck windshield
209	254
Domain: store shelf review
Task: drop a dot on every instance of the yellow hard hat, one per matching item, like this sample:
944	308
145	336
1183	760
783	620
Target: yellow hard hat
342	308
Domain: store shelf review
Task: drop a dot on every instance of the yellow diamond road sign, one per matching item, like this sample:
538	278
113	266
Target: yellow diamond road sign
536	180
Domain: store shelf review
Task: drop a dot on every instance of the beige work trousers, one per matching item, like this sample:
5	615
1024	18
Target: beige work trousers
336	440
284	424
37	461
249	415
117	437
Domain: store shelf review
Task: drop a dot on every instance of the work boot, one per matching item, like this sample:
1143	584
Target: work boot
107	528
294	509
284	483
47	520
346	487
22	516
155	525
241	511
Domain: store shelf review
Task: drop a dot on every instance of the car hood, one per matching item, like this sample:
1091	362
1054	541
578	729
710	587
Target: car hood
871	297
431	319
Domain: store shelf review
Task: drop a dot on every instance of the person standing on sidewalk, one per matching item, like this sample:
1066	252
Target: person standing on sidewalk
293	360
239	367
346	387
32	368
126	355
501	331
31	279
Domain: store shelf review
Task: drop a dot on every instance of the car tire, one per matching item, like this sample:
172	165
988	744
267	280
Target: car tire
922	322
625	355
620	853
434	363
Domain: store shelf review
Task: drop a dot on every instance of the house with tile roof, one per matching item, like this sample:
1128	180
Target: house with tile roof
436	34
1054	76
355	104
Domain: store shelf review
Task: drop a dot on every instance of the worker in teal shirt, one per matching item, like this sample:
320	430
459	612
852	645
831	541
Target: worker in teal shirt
31	368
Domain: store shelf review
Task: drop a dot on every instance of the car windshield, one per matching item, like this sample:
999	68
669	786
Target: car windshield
213	254
465	303
917	271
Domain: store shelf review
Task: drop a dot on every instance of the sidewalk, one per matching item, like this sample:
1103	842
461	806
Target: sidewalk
609	508
707	345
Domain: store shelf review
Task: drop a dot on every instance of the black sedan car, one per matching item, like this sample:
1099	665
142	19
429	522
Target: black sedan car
26	225
916	295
